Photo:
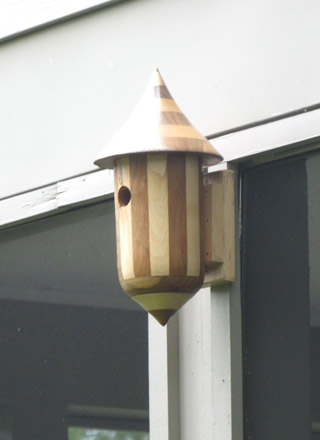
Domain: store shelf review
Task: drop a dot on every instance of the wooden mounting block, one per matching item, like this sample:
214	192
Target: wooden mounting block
219	219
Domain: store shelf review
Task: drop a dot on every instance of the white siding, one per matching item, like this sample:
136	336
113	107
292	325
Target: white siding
64	91
23	15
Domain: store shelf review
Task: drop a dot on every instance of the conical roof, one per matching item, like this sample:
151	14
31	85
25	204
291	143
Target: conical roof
157	125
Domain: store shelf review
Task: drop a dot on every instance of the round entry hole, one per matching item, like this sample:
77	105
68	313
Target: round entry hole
124	196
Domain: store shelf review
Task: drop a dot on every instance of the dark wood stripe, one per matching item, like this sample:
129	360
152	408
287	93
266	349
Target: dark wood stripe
140	215
192	146
173	118
202	208
207	219
177	214
162	92
117	185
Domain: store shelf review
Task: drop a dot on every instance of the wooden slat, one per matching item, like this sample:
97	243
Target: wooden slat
207	221
125	222
194	258
217	203
158	214
180	131
173	118
229	226
140	215
177	214
161	92
167	105
220	228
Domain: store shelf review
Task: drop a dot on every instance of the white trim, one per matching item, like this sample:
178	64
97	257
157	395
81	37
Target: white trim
20	16
190	370
56	197
164	380
205	366
269	137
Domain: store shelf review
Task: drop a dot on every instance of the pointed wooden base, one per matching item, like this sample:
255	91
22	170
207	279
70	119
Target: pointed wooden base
162	316
162	305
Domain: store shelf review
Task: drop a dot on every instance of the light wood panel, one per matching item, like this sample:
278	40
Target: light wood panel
219	227
140	215
124	220
158	215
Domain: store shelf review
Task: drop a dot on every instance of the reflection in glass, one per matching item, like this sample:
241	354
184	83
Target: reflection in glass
5	421
76	433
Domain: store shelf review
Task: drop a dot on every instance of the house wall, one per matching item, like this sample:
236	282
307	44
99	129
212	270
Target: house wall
66	90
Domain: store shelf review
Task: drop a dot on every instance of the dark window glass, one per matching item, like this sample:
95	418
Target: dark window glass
69	336
281	300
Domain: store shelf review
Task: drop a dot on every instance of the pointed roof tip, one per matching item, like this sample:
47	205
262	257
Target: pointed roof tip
150	129
156	79
162	316
157	71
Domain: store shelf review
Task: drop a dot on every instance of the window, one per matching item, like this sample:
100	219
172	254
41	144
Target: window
281	299
69	337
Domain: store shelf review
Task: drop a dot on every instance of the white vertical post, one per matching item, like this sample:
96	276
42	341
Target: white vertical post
195	367
164	380
205	370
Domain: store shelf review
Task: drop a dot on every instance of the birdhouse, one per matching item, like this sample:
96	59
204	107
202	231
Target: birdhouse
157	157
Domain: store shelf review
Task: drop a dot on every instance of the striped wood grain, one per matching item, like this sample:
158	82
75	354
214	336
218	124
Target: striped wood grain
157	125
159	231
164	241
158	214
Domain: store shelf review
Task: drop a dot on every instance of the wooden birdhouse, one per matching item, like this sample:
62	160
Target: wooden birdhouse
157	157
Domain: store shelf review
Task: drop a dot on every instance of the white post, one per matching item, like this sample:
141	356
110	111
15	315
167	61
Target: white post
205	385
164	380
195	367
